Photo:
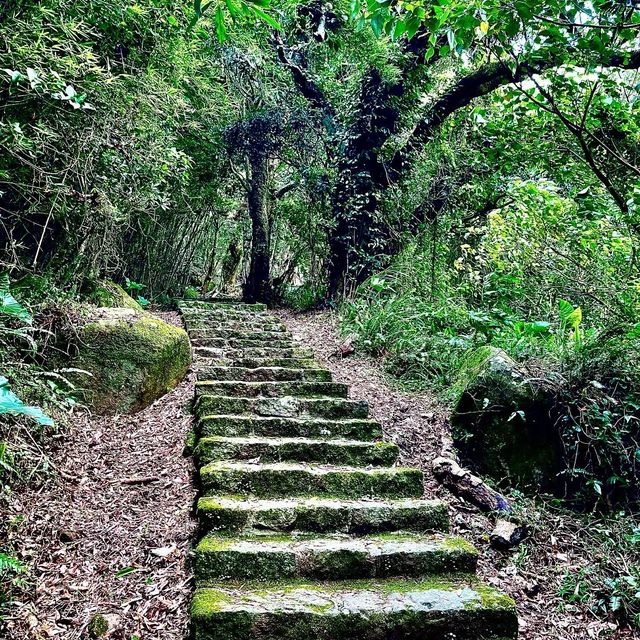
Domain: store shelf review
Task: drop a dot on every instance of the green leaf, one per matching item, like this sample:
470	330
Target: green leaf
566	309
10	404
234	10
221	30
377	24
575	318
125	571
265	17
9	306
10	565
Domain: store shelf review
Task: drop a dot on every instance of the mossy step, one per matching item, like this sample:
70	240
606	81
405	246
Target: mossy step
337	452
285	407
230	321
235	325
262	374
283	427
272	389
266	556
281	480
354	610
239	334
226	299
225	315
251	352
215	306
242	343
322	515
259	363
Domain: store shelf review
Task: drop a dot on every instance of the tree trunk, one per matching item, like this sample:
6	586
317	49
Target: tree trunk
357	239
257	288
231	265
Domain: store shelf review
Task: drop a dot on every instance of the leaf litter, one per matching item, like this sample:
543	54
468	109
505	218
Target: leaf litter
111	533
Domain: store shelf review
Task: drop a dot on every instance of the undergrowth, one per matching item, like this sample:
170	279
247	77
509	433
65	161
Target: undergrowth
588	560
35	404
556	289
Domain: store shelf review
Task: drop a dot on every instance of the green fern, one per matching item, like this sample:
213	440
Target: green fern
9	564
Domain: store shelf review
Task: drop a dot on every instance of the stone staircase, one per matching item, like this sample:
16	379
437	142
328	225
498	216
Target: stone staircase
309	528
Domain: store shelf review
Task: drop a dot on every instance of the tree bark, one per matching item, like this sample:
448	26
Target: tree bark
257	288
231	265
464	484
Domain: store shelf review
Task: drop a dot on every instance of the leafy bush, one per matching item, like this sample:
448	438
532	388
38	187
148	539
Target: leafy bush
599	419
303	298
551	287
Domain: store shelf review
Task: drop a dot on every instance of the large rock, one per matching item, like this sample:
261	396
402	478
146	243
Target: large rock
111	294
133	358
501	422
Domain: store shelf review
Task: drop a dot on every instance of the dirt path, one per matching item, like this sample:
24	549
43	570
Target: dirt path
111	534
417	423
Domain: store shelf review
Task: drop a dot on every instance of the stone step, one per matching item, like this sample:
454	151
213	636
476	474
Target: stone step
272	389
221	306
235	325
229	320
225	316
259	363
211	299
241	343
265	556
278	427
356	610
239	334
281	480
335	452
263	374
294	470
322	515
285	407
252	352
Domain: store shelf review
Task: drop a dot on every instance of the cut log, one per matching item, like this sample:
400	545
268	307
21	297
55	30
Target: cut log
464	484
507	535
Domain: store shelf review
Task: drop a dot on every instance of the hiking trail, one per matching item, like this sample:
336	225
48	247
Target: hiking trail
308	527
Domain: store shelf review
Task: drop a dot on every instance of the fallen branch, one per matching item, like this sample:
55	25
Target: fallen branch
140	480
463	483
507	535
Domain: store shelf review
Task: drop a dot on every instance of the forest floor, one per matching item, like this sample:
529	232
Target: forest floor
111	534
533	572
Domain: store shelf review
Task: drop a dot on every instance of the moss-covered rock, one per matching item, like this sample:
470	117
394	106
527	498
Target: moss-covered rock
133	358
98	626
501	422
111	294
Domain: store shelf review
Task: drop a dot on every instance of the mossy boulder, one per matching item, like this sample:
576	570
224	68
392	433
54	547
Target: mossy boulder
133	358
98	626
502	422
111	294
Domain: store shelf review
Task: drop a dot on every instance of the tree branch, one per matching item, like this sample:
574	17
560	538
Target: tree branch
484	81
307	87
